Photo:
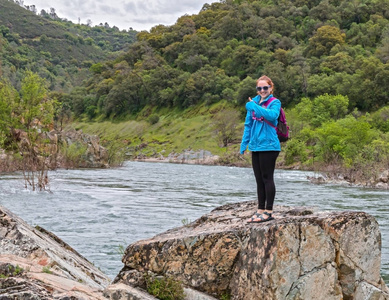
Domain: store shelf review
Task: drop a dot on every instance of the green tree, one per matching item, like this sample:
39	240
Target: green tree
341	141
35	108
325	38
8	96
34	115
225	123
322	109
327	107
246	89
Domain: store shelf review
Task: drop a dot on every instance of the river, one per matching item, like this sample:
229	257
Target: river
100	211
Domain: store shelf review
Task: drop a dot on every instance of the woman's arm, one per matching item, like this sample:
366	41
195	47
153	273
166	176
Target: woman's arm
270	113
246	133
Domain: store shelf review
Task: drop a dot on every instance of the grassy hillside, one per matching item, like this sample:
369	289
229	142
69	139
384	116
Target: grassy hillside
175	132
25	23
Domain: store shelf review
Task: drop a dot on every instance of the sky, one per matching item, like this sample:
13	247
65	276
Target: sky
138	14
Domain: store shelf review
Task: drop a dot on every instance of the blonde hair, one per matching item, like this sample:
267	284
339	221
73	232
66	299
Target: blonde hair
267	79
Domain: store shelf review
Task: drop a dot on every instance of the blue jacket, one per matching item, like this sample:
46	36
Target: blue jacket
259	135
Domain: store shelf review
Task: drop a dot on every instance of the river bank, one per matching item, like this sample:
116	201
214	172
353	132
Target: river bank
68	149
323	176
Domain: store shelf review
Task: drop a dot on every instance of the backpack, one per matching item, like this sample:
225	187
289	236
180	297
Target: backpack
282	128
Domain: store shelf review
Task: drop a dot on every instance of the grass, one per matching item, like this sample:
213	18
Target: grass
174	132
165	288
185	222
12	271
47	270
121	250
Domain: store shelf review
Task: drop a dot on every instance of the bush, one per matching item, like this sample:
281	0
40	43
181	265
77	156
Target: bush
344	139
295	151
380	119
116	152
153	119
73	154
165	288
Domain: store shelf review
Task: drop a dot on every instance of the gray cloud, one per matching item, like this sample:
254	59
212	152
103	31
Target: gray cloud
138	14
163	7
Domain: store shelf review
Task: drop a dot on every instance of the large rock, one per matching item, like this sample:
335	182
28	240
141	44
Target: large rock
302	254
35	264
94	156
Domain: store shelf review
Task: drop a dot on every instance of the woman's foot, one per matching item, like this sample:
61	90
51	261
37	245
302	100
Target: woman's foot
256	215
263	217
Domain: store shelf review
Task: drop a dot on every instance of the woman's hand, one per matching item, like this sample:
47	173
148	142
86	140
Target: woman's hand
250	99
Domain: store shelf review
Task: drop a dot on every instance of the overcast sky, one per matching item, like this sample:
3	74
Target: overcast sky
138	14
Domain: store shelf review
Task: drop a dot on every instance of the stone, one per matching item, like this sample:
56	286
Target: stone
384	176
35	264
122	291
302	254
95	156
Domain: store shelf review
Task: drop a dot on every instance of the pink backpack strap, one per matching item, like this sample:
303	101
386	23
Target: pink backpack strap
269	101
262	118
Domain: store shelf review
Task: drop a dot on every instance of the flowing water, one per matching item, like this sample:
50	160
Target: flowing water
100	211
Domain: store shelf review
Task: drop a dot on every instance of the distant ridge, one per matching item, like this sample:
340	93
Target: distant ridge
41	43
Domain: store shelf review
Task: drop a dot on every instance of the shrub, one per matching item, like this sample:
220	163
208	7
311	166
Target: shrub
153	119
295	151
165	288
344	139
73	154
380	119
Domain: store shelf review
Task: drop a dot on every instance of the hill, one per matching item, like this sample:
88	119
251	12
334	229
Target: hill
309	48
328	60
56	49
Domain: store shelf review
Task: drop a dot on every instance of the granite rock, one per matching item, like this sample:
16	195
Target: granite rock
302	254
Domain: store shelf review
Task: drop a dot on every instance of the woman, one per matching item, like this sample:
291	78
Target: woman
263	142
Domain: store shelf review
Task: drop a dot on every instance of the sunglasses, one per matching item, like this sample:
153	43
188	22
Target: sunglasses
265	88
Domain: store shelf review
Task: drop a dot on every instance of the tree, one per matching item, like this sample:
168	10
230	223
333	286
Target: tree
33	114
246	89
324	108
53	14
325	38
8	96
225	123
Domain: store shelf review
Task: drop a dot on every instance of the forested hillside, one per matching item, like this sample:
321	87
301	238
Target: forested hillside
328	60
58	50
309	48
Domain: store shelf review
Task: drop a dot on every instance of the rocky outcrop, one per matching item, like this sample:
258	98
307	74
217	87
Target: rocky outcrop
94	155
302	254
188	156
65	149
379	182
35	264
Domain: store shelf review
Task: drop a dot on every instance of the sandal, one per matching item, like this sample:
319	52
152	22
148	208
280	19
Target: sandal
261	218
257	215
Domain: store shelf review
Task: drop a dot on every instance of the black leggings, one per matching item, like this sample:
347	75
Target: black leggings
264	164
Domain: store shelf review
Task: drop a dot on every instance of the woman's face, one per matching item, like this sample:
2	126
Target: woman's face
263	88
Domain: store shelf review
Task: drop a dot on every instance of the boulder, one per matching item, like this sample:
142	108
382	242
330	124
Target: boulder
35	264
302	254
95	155
384	177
